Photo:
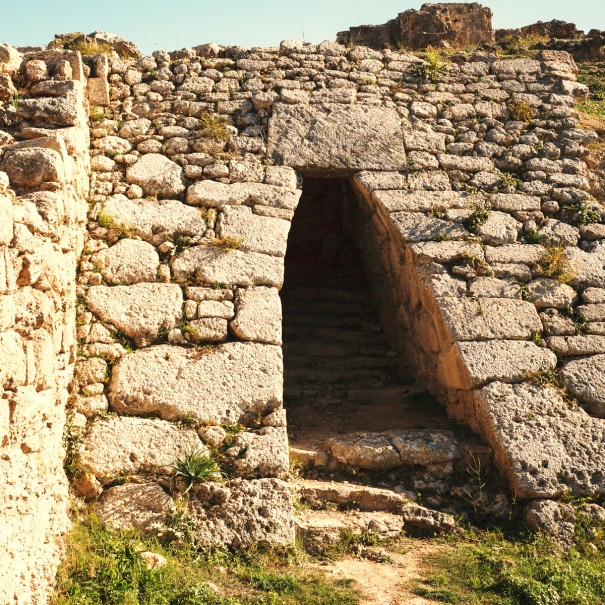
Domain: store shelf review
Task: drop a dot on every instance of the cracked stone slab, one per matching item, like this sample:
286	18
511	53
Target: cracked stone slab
213	265
241	513
216	385
127	446
472	364
490	318
336	139
585	379
141	311
544	447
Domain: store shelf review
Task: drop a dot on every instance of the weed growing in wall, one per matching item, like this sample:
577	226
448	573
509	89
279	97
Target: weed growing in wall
593	75
520	111
196	467
213	127
555	264
433	69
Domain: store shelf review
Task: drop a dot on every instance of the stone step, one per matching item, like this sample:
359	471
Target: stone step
392	395
334	349
327	333
353	362
327	307
350	321
294	295
294	374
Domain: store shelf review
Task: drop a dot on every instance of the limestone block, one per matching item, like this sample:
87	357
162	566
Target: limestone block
127	262
556	232
213	194
134	505
465	163
492	287
10	58
425	447
197	85
141	311
592	312
379	181
211	265
154	221
97	91
336	139
589	267
13	366
158	176
515	66
112	145
445	252
241	513
422	201
515	202
417	140
90	406
135	128
90	371
585	379
58	111
577	345
594	296
528	254
263	453
371	451
6	221
127	446
282	176
549	293
490	318
8	311
259	315
432	180
175	382
472	364
541	445
418	227
212	294
499	228
223	309
262	234
7	89
207	329
32	167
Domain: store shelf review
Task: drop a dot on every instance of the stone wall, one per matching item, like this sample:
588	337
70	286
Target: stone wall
43	182
451	25
473	193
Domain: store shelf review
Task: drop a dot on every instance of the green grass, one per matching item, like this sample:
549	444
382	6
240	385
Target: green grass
195	467
593	75
104	567
488	568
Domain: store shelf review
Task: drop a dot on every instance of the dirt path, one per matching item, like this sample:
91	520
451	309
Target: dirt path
385	583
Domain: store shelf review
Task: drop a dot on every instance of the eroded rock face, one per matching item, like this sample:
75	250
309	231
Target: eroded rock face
240	513
336	139
127	446
585	379
542	446
158	176
128	262
134	505
251	381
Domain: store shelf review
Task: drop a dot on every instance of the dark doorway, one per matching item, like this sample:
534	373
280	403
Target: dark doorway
340	374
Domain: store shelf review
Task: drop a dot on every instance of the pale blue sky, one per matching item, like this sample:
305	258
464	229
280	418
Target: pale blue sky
174	24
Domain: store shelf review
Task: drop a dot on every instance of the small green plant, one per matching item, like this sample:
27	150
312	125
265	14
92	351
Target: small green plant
507	181
213	127
537	339
228	242
105	219
90	49
190	329
476	219
520	111
15	100
96	114
555	264
72	439
592	73
196	467
433	69
475	262
584	213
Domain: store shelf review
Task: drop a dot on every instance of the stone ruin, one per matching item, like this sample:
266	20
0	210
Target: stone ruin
149	211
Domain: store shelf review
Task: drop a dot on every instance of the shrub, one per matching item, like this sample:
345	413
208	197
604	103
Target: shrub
520	111
555	264
213	127
196	467
433	69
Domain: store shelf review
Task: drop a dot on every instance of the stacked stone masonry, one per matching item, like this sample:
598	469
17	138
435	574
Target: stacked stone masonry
198	158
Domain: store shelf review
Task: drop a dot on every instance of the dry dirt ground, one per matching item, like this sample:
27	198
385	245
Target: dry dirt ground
386	583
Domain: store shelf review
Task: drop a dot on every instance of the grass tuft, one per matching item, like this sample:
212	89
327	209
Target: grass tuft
555	264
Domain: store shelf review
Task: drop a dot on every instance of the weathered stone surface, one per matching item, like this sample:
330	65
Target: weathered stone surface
492	287
367	498
10	58
134	505
158	176
259	315
58	111
585	379
207	329
371	451
32	167
211	265
486	319
594	312
541	445
154	221
263	453
476	363
262	234
514	253
425	519
499	228
175	382
567	346
141	311
556	232
589	267
445	252
128	262
212	194
422	201
549	293
425	447
548	517
242	513
419	140
333	139
127	446
417	227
